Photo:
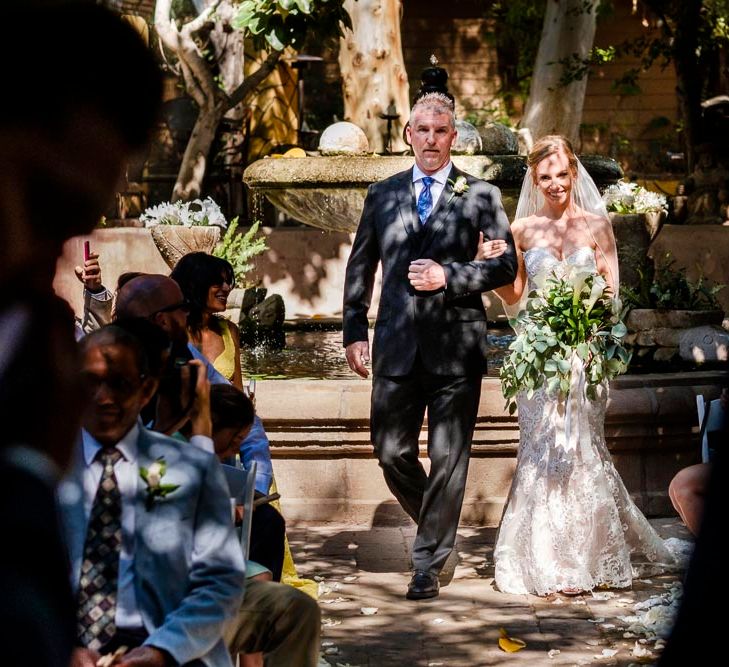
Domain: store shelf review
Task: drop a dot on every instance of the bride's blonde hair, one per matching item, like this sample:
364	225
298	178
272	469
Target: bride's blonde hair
548	145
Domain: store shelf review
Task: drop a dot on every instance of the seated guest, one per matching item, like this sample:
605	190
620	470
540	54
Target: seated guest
155	561
687	492
232	415
159	299
206	282
277	624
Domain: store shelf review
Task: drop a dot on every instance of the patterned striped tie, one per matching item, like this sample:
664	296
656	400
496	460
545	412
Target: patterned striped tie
100	567
425	200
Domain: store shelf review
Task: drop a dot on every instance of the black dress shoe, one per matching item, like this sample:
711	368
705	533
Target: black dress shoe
422	586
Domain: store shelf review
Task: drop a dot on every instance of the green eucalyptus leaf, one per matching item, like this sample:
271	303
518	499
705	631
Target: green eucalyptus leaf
619	330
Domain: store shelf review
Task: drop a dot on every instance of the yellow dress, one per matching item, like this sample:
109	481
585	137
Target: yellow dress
226	360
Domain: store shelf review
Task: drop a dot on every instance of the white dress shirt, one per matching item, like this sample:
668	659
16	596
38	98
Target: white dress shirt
440	178
126	471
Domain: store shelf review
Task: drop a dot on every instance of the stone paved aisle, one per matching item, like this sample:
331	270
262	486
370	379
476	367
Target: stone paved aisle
360	568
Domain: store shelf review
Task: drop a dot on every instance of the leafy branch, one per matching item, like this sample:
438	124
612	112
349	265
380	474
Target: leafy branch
240	248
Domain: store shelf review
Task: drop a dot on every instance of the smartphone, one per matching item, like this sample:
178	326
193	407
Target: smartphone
266	499
87	250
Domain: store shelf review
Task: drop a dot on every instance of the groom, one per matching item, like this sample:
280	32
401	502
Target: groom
423	225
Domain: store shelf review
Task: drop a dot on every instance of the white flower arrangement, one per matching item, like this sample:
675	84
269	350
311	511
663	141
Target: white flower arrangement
458	187
198	212
626	198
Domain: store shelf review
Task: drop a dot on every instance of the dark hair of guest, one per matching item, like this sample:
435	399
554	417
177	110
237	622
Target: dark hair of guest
230	407
196	273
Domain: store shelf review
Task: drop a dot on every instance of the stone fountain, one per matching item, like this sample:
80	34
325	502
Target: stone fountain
328	192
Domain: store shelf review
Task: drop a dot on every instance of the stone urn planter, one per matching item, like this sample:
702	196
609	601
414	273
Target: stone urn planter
633	235
667	335
174	241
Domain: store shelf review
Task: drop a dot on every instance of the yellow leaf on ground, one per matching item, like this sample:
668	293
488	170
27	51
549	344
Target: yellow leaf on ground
510	644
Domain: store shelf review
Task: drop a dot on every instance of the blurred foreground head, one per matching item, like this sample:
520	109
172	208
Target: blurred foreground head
67	127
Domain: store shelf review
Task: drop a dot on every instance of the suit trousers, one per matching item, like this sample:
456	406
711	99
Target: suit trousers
433	501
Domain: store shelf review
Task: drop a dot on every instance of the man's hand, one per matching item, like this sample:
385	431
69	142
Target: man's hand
143	656
84	657
358	354
425	275
90	274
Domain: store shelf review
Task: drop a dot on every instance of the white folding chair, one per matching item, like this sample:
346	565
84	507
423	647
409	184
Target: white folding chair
242	485
712	418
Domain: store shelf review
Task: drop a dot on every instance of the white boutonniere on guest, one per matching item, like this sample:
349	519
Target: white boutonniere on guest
152	477
458	187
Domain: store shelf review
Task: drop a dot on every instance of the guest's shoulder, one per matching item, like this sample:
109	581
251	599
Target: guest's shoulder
160	444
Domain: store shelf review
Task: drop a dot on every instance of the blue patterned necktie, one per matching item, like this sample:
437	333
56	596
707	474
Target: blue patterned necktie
425	200
97	586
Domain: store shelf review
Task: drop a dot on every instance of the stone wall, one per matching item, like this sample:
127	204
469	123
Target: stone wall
306	266
325	471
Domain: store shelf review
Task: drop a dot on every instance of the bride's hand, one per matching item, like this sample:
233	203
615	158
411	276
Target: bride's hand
489	249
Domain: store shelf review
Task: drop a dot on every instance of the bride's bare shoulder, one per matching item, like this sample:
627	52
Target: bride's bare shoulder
595	218
521	224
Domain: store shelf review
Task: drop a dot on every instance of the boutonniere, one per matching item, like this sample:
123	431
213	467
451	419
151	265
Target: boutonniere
152	477
458	187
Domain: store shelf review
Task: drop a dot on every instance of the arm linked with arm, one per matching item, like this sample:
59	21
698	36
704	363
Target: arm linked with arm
482	275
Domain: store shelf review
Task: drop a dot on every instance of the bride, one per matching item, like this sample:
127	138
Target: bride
569	524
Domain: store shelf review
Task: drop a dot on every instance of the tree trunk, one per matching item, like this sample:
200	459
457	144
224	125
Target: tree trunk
195	159
373	71
569	28
689	76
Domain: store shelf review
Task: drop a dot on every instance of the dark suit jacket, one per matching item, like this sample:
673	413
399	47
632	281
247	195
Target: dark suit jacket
447	326
37	608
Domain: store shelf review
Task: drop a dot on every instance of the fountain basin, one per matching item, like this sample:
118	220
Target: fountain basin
329	192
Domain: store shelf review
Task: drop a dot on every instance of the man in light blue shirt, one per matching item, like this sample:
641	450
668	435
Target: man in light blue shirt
169	570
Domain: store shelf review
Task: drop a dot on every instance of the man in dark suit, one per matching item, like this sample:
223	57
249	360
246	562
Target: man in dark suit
430	336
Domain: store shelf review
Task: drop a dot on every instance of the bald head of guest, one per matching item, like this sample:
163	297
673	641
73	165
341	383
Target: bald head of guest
156	298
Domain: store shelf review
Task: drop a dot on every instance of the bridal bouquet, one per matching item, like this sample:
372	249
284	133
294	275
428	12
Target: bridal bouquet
567	319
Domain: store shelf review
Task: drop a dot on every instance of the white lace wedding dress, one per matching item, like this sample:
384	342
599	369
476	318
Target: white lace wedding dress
569	522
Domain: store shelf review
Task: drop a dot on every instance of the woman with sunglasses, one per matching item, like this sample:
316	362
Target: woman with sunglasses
206	282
